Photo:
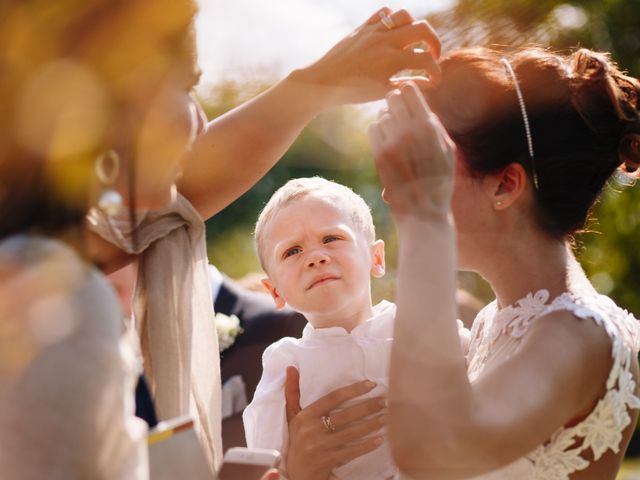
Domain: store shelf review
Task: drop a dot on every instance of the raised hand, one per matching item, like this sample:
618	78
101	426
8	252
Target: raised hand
359	67
318	445
414	156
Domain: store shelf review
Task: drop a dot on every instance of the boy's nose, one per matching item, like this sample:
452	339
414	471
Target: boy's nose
317	258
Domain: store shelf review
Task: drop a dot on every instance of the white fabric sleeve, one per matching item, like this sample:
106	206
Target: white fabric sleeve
265	420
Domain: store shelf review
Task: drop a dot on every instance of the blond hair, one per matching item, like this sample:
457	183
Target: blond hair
299	188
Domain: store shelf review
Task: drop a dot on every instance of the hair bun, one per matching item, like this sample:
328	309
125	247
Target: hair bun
629	151
622	89
587	63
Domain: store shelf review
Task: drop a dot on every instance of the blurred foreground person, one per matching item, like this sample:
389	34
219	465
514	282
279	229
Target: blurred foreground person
99	121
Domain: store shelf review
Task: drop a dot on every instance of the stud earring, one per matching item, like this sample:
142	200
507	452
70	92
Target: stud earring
499	203
107	168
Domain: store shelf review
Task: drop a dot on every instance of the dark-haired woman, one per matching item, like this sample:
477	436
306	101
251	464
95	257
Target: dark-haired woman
505	159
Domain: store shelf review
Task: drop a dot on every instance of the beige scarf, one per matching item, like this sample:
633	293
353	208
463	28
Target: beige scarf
174	314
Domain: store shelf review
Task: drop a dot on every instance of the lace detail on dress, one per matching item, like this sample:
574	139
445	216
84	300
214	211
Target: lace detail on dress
513	320
497	333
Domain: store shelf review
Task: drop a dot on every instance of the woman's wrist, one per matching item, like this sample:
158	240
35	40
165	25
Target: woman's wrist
439	219
313	88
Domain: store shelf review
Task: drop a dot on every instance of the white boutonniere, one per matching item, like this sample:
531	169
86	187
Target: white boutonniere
228	328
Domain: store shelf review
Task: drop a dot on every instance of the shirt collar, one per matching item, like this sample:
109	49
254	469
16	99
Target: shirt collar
379	325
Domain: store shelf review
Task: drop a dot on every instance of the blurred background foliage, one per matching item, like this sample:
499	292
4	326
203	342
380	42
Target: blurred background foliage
335	144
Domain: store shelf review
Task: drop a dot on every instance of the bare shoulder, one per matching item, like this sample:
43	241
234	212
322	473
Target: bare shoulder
566	345
583	337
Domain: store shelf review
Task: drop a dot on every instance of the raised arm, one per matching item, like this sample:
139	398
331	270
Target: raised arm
440	425
238	148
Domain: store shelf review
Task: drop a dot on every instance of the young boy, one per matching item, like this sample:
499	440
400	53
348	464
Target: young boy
316	243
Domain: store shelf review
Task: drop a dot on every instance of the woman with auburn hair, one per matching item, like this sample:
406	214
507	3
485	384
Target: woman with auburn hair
505	159
99	120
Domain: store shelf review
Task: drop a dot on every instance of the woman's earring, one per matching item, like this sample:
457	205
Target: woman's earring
107	168
498	204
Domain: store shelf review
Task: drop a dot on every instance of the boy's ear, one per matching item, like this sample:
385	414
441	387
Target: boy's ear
377	264
277	299
505	187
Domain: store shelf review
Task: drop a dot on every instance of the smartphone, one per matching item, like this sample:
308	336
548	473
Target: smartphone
247	463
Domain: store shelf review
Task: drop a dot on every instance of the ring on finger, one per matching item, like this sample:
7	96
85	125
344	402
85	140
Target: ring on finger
328	424
387	21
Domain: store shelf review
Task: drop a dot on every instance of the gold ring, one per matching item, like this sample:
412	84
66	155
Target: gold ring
387	21
328	424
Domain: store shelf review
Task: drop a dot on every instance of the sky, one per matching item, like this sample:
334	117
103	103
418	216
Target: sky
239	39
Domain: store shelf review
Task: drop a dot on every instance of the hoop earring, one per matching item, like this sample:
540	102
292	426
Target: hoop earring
110	201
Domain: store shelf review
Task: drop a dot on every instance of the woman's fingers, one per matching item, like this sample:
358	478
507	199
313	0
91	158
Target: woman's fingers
390	127
356	412
336	398
398	107
357	431
405	30
360	66
414	101
376	137
318	445
432	126
381	144
397	140
395	20
352	434
398	18
417	60
419	108
415	123
413	153
292	393
386	159
416	45
420	32
375	17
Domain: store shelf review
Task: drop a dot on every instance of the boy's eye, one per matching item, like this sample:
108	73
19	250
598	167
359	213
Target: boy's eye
291	251
330	238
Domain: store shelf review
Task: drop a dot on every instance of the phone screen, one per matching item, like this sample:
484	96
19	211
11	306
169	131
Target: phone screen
241	471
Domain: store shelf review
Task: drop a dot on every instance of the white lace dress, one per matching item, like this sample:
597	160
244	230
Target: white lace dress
496	335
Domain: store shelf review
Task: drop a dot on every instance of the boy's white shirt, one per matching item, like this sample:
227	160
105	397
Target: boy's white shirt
327	358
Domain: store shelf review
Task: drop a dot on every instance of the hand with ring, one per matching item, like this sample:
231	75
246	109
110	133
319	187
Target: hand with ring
361	66
328	424
387	21
322	436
